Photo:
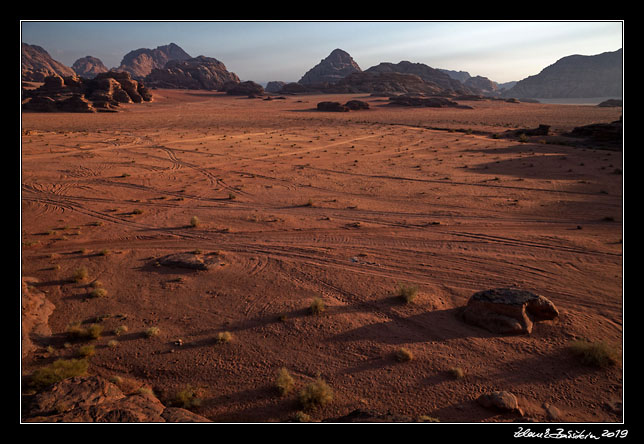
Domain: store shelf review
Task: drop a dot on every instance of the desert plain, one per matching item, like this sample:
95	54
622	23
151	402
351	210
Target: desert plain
286	204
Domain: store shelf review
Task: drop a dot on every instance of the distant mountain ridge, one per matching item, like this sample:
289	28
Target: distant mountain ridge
575	76
140	62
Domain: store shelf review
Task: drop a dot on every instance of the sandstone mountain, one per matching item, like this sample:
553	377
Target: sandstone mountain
38	64
482	84
89	67
140	62
194	73
334	68
426	73
575	76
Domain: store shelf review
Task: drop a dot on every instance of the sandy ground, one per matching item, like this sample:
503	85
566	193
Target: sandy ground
295	204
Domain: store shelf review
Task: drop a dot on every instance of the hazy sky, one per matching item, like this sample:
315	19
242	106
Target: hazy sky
284	50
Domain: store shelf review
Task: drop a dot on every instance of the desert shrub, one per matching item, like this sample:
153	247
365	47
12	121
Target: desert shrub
300	416
284	381
403	355
77	331
407	292
152	331
57	371
86	351
597	354
194	222
317	306
79	274
224	337
98	292
187	398
456	372
118	331
316	394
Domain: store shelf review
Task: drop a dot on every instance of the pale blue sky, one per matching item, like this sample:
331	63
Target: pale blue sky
284	50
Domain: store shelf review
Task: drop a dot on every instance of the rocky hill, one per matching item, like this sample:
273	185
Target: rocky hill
89	67
140	62
194	73
332	69
38	64
426	73
575	76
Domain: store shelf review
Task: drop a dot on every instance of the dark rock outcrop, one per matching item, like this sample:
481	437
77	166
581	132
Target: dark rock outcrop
600	135
611	103
508	311
93	399
481	84
77	94
333	68
247	88
195	73
37	64
140	62
332	106
575	76
430	102
89	67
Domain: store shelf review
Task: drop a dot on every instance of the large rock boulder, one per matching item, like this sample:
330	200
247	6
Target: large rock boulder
508	310
503	401
248	88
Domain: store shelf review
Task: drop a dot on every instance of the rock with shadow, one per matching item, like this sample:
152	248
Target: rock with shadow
508	310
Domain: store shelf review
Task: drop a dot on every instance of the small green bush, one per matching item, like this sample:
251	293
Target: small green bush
316	394
57	371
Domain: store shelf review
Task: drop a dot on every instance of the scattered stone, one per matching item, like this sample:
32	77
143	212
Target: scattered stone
500	400
507	310
430	102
